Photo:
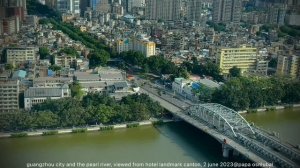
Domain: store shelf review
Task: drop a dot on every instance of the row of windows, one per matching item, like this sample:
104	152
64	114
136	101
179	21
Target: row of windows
21	52
7	95
9	107
37	101
9	102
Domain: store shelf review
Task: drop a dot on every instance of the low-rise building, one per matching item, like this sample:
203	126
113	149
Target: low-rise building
20	55
64	61
52	81
36	95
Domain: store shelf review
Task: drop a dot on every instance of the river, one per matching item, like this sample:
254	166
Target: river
173	142
285	122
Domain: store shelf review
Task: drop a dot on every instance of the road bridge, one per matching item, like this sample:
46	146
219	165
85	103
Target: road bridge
231	130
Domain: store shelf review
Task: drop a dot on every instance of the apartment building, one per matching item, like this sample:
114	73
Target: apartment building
68	6
226	11
144	46
141	44
20	55
162	9
64	61
288	65
244	58
194	8
9	95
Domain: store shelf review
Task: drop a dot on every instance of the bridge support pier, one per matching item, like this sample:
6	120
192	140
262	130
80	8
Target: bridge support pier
235	153
225	150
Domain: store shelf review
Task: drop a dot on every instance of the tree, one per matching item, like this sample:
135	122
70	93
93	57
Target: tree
55	67
292	92
235	71
205	93
44	52
104	114
69	51
76	90
273	63
45	119
232	95
9	67
99	58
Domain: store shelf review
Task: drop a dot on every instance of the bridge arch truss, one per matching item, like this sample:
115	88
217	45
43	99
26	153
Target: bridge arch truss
222	118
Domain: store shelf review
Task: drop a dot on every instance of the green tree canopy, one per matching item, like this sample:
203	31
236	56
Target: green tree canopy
69	51
76	90
98	58
235	71
44	52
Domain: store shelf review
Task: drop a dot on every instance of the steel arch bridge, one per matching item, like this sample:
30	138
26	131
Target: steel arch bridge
222	118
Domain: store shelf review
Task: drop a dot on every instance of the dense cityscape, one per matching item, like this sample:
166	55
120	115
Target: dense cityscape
81	65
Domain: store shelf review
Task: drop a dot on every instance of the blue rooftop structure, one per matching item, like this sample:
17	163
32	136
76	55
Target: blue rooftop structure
50	72
196	86
20	74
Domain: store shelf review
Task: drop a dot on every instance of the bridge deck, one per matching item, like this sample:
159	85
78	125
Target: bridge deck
177	111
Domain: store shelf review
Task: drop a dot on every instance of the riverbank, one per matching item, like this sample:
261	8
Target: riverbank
270	108
83	129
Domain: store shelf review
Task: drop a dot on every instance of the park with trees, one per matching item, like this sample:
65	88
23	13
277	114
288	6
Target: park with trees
93	109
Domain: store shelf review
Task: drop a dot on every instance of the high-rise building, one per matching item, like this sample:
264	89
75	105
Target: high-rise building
94	4
194	8
101	6
162	9
84	4
244	58
68	6
10	25
51	3
277	13
288	65
226	11
9	95
134	3
12	14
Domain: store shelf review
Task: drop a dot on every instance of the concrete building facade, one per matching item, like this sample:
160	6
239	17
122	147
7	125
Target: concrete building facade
142	44
36	95
162	10
288	65
9	95
16	56
68	6
244	58
226	11
194	8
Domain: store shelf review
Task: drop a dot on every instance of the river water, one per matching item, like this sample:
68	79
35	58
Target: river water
174	142
285	122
